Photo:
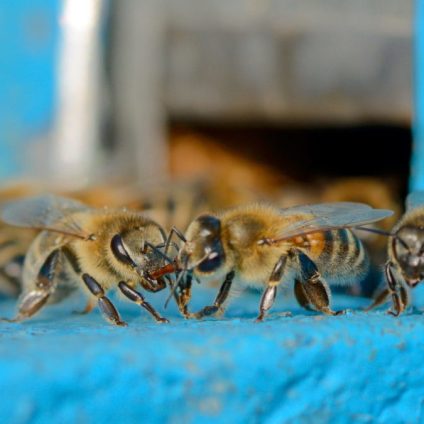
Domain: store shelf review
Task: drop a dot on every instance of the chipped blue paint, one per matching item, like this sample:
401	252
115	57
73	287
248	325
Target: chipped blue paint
309	368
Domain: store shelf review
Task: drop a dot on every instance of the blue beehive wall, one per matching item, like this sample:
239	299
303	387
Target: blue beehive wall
29	38
29	34
417	160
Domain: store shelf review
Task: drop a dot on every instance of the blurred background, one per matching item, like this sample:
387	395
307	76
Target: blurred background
204	105
96	91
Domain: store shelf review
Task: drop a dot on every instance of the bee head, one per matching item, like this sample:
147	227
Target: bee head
203	251
408	250
131	248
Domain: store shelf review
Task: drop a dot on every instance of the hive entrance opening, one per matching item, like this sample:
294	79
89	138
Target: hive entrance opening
304	158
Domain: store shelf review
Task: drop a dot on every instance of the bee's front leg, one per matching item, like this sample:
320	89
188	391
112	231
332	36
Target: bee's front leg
301	295
219	300
315	288
138	298
105	305
397	289
152	285
182	296
45	285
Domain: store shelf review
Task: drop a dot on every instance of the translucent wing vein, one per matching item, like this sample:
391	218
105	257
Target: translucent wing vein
330	216
45	212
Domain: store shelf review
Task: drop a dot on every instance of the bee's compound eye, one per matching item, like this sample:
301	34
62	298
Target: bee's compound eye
120	252
211	264
210	226
409	239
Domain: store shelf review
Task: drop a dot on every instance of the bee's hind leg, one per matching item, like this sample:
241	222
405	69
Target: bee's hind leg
105	305
314	286
45	285
301	296
138	298
381	298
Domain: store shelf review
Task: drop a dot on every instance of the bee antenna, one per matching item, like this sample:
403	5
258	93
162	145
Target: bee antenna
175	246
174	288
384	233
402	242
172	243
376	231
168	241
177	283
156	250
179	234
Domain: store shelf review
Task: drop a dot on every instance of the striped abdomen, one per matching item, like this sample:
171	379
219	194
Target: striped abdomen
339	255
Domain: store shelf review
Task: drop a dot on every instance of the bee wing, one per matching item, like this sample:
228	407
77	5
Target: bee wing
330	216
45	212
414	200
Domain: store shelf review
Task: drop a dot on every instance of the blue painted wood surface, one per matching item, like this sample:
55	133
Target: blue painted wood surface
362	367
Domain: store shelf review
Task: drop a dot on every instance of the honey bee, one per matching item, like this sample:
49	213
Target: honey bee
405	266
263	246
100	248
14	242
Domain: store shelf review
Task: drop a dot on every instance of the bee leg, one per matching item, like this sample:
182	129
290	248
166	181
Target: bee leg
381	298
183	295
45	285
168	242
398	290
152	285
219	300
316	289
270	292
267	301
138	298
405	295
301	296
88	307
319	293
105	305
